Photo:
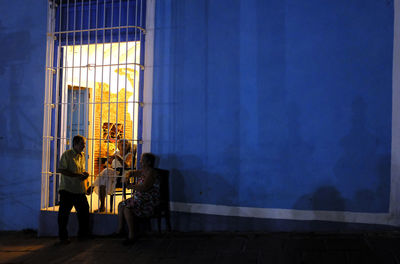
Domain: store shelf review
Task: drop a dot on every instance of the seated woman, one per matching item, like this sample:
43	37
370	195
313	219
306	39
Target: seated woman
120	161
145	197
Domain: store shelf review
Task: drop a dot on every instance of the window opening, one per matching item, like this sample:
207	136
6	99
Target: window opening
94	85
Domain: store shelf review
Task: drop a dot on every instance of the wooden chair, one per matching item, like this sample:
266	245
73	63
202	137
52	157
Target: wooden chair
162	210
120	189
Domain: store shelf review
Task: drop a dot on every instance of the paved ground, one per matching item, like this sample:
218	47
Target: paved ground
382	248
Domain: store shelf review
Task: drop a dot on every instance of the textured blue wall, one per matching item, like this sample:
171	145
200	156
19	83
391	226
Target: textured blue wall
264	103
22	63
275	103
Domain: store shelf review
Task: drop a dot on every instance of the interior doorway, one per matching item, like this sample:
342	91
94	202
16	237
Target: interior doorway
100	99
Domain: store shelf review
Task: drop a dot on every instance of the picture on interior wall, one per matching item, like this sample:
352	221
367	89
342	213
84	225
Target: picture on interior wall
113	132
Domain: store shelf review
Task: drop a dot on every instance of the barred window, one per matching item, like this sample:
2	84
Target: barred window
94	88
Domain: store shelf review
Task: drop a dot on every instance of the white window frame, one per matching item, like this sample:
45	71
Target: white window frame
49	105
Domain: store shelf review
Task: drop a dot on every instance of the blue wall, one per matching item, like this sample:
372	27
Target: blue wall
22	75
259	103
275	104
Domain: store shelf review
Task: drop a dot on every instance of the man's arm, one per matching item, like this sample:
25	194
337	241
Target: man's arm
69	173
62	168
82	176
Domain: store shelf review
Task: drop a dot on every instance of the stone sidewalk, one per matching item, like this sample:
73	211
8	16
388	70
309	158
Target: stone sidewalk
382	248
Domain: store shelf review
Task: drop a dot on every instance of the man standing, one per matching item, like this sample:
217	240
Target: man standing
72	190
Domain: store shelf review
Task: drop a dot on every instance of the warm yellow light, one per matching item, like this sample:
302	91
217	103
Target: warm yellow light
113	65
109	75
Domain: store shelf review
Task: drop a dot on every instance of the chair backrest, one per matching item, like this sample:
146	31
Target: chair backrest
164	188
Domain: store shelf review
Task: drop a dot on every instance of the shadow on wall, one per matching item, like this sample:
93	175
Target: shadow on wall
361	175
360	164
365	162
325	198
190	183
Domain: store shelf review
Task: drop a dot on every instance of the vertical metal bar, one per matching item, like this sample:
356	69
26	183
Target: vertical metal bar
79	84
52	174
72	77
50	99
126	88
94	98
119	43
91	142
109	88
65	84
67	140
126	62
142	77
42	189
135	90
47	107
102	79
45	145
80	73
46	110
126	74
55	175
140	95
58	105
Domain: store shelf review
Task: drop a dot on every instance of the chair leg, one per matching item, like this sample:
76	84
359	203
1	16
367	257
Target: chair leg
123	193
111	202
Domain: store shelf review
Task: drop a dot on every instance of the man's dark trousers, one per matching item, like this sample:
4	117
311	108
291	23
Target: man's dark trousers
79	201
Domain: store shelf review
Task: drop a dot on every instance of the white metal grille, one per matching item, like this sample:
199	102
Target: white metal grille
94	83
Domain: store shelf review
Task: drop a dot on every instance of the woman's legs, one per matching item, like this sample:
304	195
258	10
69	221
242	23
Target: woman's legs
102	198
121	217
130	218
102	194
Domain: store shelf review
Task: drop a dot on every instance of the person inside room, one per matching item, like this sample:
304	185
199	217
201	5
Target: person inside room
114	172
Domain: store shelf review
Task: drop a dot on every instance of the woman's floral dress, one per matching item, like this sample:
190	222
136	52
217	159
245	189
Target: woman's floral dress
142	203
